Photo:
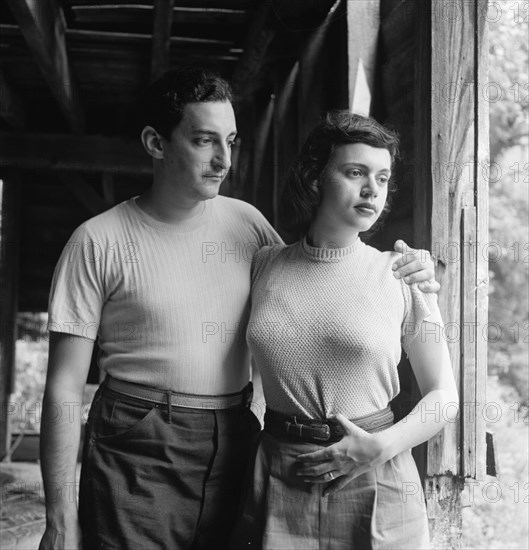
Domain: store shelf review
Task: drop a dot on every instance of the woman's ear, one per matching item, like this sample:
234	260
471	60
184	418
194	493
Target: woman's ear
152	142
315	186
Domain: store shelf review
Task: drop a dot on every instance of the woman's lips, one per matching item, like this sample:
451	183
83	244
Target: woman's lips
366	208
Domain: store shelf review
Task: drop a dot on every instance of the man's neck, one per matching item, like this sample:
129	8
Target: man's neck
168	209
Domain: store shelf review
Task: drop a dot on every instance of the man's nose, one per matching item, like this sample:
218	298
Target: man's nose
222	157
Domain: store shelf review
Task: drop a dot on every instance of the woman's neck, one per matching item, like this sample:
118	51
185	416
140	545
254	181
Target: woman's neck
323	234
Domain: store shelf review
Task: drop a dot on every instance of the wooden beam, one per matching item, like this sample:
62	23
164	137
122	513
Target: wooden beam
215	4
12	109
43	25
79	153
363	23
161	37
138	14
257	42
9	267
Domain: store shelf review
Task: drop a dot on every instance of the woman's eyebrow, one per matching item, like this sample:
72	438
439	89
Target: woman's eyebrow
364	166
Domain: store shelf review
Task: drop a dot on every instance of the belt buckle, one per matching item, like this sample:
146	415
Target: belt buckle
319	426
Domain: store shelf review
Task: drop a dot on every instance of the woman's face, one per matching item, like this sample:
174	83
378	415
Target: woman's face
354	186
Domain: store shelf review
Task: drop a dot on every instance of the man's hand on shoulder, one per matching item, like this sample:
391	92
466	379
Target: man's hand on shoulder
415	266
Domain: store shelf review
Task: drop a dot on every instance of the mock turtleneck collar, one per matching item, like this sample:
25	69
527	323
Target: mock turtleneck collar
331	254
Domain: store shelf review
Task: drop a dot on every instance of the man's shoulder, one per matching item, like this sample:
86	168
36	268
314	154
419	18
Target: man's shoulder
113	218
240	207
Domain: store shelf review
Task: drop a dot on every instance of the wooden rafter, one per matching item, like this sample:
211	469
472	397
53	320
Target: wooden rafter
43	26
127	13
161	37
228	4
66	152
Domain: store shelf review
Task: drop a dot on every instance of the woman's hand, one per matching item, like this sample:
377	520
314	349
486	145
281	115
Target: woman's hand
357	453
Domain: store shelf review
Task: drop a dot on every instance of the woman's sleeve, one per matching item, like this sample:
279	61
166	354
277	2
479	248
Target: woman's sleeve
419	306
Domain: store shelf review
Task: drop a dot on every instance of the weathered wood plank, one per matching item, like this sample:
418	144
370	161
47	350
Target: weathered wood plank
43	27
363	23
161	37
9	268
65	152
453	156
482	227
472	401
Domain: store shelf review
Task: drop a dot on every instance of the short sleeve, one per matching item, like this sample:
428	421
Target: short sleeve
77	289
419	306
258	263
261	258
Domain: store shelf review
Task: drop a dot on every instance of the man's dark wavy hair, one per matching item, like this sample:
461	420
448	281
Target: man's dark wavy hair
301	197
162	104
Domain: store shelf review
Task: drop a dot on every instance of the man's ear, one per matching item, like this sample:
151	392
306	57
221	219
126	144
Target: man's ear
152	142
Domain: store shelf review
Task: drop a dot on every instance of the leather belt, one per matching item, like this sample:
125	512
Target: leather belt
301	428
164	397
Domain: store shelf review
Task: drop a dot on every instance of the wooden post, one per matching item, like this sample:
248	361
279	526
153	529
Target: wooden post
450	218
9	263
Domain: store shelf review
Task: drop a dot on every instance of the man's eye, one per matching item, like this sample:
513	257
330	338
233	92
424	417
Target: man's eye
203	141
354	173
231	143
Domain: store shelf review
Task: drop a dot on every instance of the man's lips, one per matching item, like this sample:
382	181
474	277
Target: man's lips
366	208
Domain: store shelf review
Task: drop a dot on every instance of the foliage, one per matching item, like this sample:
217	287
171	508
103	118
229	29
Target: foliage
509	202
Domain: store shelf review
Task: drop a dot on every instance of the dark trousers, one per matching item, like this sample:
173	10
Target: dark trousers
151	479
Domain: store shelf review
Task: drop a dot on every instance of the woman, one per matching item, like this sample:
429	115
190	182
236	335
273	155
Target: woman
327	323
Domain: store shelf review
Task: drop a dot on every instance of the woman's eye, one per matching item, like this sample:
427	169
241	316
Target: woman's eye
383	180
354	173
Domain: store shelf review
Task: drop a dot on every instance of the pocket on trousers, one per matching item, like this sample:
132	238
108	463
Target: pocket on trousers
117	419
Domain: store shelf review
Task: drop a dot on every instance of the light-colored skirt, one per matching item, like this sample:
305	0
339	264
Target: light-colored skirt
382	509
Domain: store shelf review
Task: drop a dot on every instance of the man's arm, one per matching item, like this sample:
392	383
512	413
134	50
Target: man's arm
68	365
415	266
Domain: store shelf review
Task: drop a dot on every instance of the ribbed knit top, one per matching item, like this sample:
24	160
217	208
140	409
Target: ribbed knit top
169	303
327	325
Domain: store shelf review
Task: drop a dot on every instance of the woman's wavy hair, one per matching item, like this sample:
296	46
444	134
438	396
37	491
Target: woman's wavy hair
301	197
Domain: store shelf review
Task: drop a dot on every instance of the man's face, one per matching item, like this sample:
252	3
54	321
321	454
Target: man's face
198	156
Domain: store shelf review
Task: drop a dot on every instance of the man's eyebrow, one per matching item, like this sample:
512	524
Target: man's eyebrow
360	165
211	132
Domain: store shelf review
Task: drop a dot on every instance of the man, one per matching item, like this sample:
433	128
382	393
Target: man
163	281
